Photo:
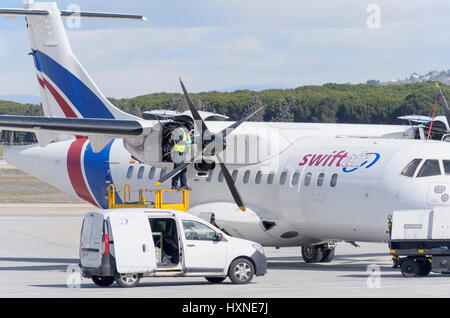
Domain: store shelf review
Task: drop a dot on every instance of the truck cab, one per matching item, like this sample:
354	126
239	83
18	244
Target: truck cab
128	244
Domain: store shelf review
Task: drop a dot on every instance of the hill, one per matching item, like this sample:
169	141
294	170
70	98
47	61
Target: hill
329	103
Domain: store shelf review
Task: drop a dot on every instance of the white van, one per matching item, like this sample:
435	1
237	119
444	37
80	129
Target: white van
123	245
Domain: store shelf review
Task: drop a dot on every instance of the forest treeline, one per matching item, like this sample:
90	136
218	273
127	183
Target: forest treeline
329	103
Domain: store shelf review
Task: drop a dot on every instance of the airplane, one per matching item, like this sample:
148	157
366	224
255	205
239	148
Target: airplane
300	184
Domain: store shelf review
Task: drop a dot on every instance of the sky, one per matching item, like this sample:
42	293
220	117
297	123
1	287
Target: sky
236	44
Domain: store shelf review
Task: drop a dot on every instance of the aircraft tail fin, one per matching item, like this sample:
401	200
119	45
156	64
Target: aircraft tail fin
66	88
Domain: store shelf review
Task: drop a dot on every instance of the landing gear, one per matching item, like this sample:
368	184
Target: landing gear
323	253
412	267
328	256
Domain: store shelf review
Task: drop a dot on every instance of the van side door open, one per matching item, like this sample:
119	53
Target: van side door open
203	252
133	243
91	240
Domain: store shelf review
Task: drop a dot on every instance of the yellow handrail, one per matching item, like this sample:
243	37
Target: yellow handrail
125	187
111	196
157	204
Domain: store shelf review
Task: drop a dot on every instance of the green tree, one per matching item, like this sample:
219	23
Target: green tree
283	110
252	106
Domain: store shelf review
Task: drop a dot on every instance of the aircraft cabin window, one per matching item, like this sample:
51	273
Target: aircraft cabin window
295	178
283	177
151	174
320	179
140	172
246	176
270	178
307	180
333	180
163	173
411	168
234	175
220	176
446	166
258	177
130	172
429	168
209	177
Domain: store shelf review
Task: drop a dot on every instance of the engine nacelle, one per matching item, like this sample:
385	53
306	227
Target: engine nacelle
155	148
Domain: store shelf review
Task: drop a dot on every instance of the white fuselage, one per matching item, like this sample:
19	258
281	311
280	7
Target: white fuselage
355	183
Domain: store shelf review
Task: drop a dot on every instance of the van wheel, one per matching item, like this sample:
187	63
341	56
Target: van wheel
103	280
215	280
127	280
241	271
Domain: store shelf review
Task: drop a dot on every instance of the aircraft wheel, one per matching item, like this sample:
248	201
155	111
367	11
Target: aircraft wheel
328	255
103	281
424	267
313	253
409	268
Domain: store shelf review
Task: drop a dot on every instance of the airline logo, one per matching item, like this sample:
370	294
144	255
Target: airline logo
349	162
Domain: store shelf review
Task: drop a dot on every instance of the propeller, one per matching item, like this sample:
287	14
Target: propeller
210	147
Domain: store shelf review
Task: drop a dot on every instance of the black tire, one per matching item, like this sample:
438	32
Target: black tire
409	268
312	254
127	280
328	256
241	271
103	281
215	280
424	267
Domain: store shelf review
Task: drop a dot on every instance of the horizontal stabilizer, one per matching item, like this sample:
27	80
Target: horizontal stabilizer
70	14
73	126
22	12
103	15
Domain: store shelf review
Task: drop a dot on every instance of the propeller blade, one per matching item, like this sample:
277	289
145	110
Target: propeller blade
192	108
230	129
231	185
172	173
443	103
177	170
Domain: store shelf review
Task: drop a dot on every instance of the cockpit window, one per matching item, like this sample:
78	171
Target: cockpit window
429	168
411	168
446	166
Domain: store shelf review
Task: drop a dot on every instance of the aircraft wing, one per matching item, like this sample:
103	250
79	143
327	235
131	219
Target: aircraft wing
102	131
416	119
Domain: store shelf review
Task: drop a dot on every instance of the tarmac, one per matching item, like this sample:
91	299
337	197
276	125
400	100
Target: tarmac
39	249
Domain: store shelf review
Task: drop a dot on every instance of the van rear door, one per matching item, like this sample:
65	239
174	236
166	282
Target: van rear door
133	243
91	240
